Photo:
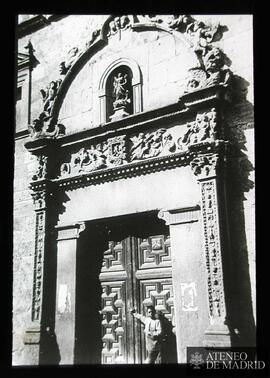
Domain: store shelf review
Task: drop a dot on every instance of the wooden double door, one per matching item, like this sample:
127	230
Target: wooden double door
136	272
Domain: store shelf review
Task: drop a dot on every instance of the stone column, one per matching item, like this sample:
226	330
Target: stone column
65	313
33	333
189	296
208	165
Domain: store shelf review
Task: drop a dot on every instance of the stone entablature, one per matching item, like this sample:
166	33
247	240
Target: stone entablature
135	142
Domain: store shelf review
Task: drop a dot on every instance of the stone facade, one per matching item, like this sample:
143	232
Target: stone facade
175	138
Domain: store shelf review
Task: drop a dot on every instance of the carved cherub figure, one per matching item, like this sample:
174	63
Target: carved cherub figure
49	96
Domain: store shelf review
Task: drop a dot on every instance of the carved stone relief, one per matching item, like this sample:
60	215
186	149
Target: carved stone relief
42	168
204	128
212	71
212	251
71	57
39	202
145	145
205	166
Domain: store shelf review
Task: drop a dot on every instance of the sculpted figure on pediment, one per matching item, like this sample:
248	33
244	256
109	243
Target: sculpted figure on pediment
214	63
49	95
71	56
211	73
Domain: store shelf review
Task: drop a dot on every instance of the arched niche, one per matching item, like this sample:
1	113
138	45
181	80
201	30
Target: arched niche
131	69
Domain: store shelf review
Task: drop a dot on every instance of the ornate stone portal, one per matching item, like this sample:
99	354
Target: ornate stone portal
157	144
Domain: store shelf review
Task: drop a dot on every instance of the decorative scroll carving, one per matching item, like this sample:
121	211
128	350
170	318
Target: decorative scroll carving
154	251
113	324
205	166
148	145
43	128
42	168
204	128
212	251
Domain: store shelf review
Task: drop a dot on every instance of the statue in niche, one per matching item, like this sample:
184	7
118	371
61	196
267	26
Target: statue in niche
49	95
120	91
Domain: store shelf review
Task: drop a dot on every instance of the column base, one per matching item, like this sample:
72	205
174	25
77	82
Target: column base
217	336
32	335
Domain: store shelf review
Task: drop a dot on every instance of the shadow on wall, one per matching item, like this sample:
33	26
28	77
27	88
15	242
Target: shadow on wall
51	348
240	118
168	352
88	345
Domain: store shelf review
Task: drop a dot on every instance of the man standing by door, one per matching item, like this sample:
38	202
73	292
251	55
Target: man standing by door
152	330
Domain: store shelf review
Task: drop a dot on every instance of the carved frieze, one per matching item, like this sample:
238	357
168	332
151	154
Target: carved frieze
147	145
121	150
204	128
103	155
117	150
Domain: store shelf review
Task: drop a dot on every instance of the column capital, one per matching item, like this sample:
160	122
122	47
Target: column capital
178	216
71	231
208	160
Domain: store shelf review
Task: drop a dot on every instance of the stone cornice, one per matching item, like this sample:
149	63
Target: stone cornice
206	95
35	23
124	171
134	122
72	231
186	107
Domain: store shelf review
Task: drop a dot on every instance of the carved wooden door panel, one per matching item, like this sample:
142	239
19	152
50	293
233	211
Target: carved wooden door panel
136	271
